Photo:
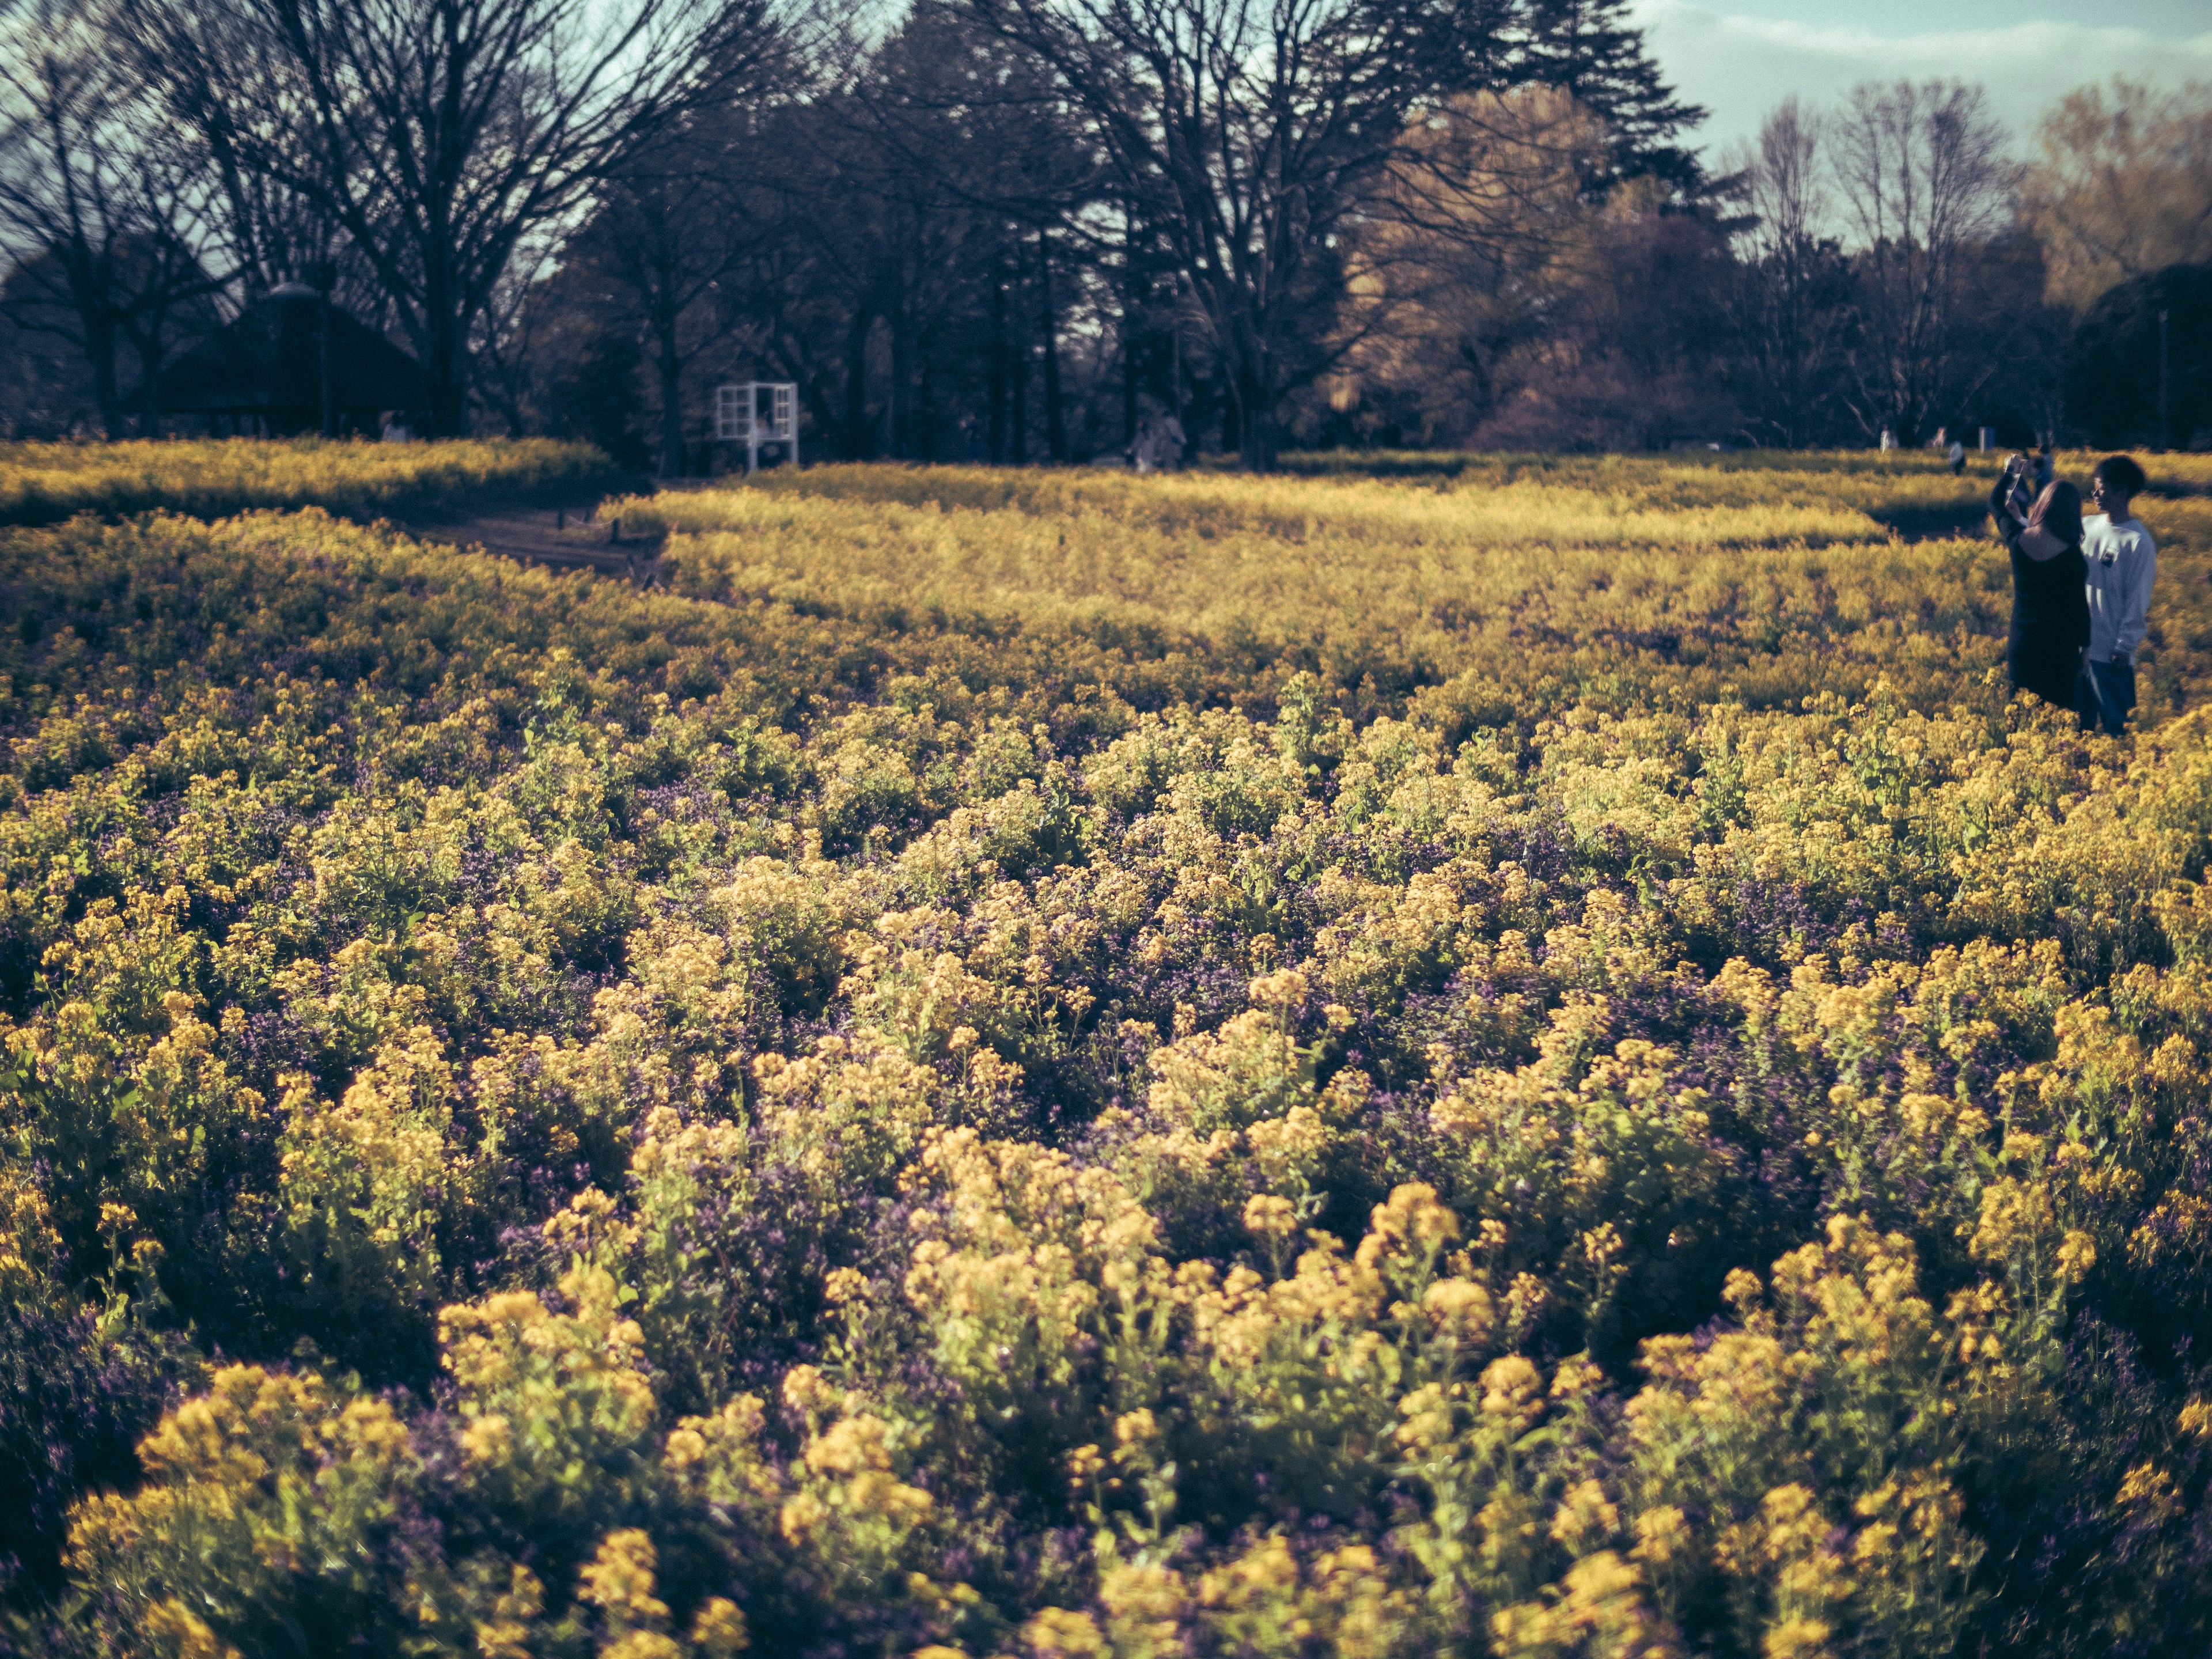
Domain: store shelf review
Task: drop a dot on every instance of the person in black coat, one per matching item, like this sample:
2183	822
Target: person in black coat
2050	604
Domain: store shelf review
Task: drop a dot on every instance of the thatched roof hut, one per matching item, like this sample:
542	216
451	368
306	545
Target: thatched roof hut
265	366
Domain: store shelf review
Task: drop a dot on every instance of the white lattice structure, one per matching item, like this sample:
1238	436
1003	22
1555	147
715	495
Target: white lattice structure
756	414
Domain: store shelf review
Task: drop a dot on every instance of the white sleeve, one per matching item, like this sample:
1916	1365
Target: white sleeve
2135	615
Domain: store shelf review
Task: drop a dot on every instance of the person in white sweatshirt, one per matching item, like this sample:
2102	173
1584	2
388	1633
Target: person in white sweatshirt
2122	566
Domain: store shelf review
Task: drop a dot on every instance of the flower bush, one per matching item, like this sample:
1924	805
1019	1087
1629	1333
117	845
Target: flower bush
1534	1060
45	482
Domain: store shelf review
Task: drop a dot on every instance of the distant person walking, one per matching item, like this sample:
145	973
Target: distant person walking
1159	442
1957	456
2122	567
1173	439
2050	606
1143	448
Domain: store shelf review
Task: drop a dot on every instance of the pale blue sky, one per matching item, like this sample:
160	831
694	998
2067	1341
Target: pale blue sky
1740	58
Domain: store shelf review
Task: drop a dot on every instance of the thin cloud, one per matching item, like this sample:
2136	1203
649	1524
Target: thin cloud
1739	68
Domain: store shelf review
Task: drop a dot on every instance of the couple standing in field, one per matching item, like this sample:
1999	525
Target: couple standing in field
2080	586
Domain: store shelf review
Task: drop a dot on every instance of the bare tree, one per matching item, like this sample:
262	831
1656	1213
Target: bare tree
509	349
92	209
857	257
1782	183
1924	182
1248	134
677	225
968	159
1790	299
669	231
270	233
436	136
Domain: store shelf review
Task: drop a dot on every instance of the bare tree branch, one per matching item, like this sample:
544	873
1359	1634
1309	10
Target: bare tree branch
436	135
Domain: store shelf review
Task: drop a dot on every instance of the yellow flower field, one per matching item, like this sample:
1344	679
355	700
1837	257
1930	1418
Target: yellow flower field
1608	581
1527	1057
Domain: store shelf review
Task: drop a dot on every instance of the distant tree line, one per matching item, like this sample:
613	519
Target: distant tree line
1014	229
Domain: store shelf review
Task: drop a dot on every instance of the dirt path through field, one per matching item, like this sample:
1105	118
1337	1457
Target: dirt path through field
567	529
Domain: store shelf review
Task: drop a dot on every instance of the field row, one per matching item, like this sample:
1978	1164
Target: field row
43	483
1496	604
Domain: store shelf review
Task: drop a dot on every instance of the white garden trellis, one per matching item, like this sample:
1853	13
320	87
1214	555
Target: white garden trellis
758	414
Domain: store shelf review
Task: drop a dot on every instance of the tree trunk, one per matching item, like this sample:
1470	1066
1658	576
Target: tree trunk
1257	450
1055	424
670	365
1020	417
924	416
671	418
1255	393
99	347
856	384
997	385
1259	436
796	367
445	363
1130	302
447	371
148	350
901	410
1128	382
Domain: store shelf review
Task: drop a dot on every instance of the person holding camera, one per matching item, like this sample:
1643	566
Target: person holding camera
2042	530
2121	564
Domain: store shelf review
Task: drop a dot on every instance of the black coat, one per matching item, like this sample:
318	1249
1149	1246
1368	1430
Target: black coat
2049	614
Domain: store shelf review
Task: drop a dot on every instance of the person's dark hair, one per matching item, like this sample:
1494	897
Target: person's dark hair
2057	513
2121	475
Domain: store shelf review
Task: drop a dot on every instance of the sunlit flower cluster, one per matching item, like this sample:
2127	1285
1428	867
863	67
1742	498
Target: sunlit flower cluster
43	482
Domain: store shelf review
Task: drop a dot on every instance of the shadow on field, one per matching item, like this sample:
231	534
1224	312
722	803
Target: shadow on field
564	527
1922	521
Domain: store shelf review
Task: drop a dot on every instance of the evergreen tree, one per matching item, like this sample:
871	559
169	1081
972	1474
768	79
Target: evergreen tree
1591	49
